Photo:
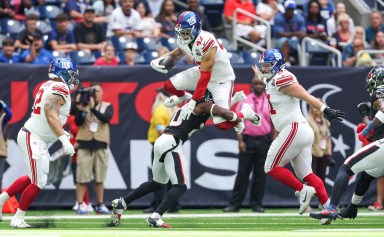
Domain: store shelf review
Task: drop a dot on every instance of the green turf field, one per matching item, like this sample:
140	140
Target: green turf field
275	222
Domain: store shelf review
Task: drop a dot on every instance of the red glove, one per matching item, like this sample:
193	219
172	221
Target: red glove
364	140
360	127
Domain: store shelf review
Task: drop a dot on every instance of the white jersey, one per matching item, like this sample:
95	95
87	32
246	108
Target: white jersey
205	41
37	124
284	109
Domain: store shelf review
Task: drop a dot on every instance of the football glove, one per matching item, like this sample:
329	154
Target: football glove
156	66
188	109
67	146
237	97
363	109
333	114
364	140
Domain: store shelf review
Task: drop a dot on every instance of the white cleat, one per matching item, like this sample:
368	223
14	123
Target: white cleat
118	207
239	127
250	115
1	215
237	97
19	223
305	196
174	100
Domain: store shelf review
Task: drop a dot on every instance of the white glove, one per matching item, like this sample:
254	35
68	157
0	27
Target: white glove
67	146
239	127
67	134
156	66
237	97
186	113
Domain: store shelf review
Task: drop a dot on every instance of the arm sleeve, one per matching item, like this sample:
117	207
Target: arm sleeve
202	85
104	117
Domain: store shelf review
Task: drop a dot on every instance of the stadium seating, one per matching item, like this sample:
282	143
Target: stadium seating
1	40
147	44
251	58
170	43
121	42
60	54
148	56
49	11
235	57
11	27
44	26
82	58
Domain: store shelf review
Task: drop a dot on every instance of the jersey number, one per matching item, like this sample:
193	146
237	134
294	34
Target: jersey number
176	119
36	106
271	110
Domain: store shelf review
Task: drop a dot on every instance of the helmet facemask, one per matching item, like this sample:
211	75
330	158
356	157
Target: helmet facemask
185	36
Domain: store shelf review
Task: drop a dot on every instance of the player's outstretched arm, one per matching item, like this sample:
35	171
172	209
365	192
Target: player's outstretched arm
376	121
176	54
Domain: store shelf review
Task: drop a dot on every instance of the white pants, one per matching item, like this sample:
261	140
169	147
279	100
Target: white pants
169	162
369	158
294	144
221	89
35	156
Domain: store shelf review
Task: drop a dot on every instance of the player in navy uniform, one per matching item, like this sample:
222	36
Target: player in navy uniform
369	159
169	162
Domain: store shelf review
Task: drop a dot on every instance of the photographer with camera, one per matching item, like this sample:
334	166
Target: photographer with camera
92	115
5	116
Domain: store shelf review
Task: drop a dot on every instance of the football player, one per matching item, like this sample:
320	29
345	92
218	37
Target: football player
368	159
213	70
49	113
169	162
294	142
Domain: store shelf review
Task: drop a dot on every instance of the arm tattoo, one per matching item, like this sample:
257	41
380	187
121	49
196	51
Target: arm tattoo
180	52
53	103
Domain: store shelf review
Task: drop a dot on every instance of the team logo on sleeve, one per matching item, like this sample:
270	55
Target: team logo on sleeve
197	52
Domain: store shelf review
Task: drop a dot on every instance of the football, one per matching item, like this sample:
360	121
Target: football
169	62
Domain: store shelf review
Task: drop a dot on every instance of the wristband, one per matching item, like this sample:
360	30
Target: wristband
372	125
234	117
322	108
380	116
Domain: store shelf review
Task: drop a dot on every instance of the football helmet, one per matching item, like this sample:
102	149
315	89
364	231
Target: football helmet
188	27
374	79
272	61
64	69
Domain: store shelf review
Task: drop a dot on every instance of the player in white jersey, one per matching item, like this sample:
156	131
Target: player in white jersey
213	71
49	113
294	142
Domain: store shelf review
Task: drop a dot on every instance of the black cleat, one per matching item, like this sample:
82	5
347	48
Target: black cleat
349	212
325	214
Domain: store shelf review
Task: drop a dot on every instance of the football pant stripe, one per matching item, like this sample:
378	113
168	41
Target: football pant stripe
285	146
360	155
178	168
31	161
162	157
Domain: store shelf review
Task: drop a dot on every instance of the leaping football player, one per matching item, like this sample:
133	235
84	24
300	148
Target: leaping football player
294	142
49	113
368	160
213	71
169	162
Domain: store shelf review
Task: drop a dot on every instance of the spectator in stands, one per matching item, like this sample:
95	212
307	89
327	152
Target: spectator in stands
358	33
103	8
62	39
377	44
109	57
125	21
36	54
75	9
6	10
23	8
376	25
327	8
315	23
26	35
89	35
349	56
289	29
343	34
332	25
246	26
267	9
155	6
194	6
148	24
130	54
167	19
5	116
8	55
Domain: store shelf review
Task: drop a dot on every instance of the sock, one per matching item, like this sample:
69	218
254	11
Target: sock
363	183
29	194
4	196
19	213
86	197
18	186
356	200
171	198
286	177
340	185
317	183
170	88
143	190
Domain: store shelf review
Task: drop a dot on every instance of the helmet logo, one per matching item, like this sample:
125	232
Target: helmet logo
278	56
191	21
65	65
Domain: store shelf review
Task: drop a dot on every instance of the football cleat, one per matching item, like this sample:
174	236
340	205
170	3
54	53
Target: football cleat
118	207
305	196
157	223
250	115
237	97
19	223
349	212
330	214
174	100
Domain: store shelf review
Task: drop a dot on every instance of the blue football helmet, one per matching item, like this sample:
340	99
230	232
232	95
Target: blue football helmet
188	27
64	69
272	61
374	79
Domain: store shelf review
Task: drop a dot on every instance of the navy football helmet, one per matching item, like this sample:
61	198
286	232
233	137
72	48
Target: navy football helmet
272	61
64	69
187	27
374	79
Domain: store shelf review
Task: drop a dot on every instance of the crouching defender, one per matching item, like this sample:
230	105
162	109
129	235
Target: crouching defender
169	162
368	160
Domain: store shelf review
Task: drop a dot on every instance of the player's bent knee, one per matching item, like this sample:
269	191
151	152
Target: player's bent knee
346	169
